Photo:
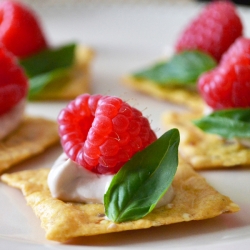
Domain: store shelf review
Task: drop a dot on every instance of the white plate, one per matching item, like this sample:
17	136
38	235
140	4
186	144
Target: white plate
125	36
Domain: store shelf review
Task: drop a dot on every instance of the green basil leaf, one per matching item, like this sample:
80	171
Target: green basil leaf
49	60
141	182
182	69
228	123
39	82
48	66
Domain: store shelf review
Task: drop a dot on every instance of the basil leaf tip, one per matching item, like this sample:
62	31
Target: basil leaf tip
183	69
141	182
229	123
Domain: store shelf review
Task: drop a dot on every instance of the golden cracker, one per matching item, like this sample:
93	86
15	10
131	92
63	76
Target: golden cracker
77	83
178	95
203	150
194	199
32	137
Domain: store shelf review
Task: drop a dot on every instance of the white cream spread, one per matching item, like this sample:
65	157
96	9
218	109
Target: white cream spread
207	110
244	142
68	181
11	119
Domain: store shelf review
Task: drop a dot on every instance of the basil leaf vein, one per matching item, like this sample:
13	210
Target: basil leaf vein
182	69
141	182
228	123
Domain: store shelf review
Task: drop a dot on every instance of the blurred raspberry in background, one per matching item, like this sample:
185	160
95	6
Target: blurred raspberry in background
243	2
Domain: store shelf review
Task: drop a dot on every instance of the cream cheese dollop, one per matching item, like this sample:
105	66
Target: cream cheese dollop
10	120
207	110
68	181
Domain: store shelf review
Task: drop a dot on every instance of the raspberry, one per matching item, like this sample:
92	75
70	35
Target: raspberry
20	31
101	133
228	85
13	81
213	31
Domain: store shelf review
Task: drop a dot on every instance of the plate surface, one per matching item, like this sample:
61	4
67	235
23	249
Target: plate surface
125	35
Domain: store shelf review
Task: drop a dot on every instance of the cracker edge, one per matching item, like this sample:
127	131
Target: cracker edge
179	96
186	183
30	145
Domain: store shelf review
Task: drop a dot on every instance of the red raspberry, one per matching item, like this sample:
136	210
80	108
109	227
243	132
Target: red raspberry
101	133
213	31
228	85
20	31
13	82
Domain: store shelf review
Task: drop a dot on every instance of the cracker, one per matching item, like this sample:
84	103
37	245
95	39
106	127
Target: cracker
77	83
177	95
194	199
203	150
32	137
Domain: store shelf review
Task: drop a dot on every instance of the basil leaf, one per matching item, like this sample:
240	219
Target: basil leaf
182	69
49	60
39	82
228	123
141	182
47	67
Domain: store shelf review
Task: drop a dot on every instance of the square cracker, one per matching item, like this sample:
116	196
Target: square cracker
32	137
78	81
177	95
203	150
194	199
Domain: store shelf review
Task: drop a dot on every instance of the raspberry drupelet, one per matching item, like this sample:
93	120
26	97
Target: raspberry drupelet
213	30
228	85
101	133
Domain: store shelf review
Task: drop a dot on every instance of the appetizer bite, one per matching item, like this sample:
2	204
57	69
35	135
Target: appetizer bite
21	137
219	137
197	50
115	175
54	72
